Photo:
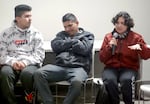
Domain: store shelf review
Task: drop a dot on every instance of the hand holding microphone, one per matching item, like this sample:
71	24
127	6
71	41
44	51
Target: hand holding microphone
113	43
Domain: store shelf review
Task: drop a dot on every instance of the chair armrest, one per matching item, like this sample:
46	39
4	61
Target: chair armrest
143	81
98	81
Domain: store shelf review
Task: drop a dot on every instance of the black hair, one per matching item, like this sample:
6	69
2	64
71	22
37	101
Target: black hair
128	20
69	17
20	9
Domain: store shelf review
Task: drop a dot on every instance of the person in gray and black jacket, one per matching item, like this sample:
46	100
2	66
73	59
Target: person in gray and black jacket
73	48
21	53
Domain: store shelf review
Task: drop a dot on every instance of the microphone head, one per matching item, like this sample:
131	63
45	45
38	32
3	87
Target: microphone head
115	35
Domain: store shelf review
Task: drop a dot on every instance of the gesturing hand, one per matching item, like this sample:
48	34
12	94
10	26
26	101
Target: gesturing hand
135	47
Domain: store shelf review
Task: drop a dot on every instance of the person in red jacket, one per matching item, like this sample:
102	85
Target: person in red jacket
121	52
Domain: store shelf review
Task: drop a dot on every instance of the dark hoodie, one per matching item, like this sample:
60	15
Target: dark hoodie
73	51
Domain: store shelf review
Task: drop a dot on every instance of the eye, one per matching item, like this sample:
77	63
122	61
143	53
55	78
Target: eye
70	25
122	23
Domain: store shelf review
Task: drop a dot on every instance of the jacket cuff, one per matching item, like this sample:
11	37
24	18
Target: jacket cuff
12	62
25	62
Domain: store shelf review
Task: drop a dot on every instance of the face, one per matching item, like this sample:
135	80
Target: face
120	26
24	21
71	27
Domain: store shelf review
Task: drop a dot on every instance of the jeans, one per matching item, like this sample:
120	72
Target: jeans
126	78
52	73
9	77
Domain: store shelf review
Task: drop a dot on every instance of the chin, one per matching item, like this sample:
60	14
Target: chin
28	26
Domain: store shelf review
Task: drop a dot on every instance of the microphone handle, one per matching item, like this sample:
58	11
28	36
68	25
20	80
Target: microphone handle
113	49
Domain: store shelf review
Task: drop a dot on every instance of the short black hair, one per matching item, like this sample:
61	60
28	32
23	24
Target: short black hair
128	20
69	17
20	9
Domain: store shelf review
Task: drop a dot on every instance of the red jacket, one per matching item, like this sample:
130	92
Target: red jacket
124	57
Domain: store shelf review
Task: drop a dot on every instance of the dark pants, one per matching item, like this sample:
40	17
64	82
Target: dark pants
9	77
126	78
53	73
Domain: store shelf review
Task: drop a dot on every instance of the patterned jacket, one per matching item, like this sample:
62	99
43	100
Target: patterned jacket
21	45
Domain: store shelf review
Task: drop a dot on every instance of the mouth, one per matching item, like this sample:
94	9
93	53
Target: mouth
69	32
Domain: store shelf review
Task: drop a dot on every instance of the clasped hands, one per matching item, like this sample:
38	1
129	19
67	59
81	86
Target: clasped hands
18	65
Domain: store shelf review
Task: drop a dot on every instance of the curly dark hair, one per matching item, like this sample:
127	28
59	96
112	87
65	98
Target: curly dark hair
128	20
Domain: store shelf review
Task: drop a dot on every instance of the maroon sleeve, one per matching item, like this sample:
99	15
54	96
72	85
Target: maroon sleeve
105	50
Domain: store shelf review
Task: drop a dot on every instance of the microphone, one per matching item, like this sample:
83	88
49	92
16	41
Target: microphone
115	35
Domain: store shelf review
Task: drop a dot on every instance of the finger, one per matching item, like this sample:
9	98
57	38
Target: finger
140	48
130	47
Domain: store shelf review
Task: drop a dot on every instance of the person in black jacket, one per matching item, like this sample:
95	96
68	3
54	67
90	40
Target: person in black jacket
73	48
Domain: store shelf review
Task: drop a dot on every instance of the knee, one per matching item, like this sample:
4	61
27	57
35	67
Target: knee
37	74
6	71
77	84
126	81
111	82
25	74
